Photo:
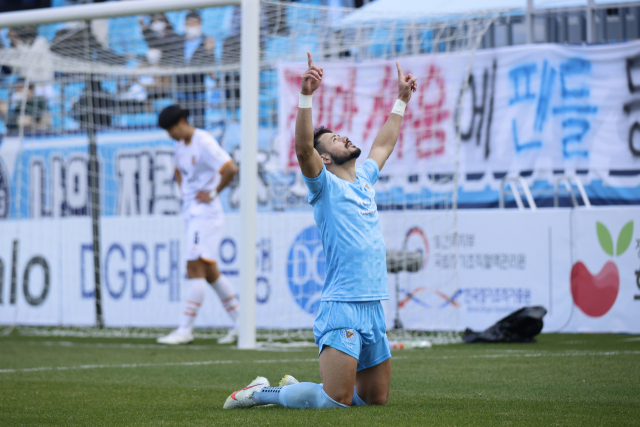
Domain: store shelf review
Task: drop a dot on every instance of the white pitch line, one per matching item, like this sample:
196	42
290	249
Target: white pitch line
123	345
157	346
520	355
148	365
224	362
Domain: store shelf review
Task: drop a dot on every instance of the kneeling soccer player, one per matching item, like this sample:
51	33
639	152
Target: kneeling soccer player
349	329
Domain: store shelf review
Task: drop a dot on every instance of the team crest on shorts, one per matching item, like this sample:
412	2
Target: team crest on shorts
348	336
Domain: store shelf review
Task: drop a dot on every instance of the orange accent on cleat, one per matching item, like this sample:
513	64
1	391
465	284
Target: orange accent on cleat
233	395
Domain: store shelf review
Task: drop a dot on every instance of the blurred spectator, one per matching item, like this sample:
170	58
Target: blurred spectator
103	107
132	95
197	51
76	40
35	50
164	44
22	36
166	48
35	115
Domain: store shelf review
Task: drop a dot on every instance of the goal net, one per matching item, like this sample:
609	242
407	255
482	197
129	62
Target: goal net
65	86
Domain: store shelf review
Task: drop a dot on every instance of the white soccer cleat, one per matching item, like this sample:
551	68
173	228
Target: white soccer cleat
243	398
287	380
176	338
230	338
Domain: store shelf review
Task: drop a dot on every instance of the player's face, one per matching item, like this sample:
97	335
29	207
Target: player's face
340	148
179	130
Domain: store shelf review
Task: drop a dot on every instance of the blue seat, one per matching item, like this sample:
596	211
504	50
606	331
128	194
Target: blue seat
72	93
380	40
276	48
307	43
138	120
213	116
161	103
298	18
426	42
48	31
125	36
269	83
217	22
177	19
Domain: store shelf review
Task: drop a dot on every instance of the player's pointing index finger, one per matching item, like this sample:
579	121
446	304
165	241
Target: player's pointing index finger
310	59
400	74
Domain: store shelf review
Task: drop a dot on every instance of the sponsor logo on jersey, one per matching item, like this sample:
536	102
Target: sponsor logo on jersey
367	187
367	203
348	335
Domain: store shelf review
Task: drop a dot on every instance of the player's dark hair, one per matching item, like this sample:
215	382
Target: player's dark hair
317	133
171	115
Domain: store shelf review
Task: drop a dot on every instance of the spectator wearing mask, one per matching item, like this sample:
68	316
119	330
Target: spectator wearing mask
197	52
165	46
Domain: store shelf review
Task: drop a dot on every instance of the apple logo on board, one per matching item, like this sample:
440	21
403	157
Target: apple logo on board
595	295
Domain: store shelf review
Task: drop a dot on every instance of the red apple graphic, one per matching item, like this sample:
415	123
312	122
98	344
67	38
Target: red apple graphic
595	295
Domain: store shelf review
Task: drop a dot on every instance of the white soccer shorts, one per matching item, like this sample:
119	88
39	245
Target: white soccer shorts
204	235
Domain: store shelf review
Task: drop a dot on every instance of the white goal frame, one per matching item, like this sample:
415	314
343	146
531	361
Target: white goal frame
250	71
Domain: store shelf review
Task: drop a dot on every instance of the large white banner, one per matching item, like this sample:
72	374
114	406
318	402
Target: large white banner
490	264
536	111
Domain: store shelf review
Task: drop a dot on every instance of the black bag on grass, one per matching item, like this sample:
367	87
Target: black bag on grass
519	326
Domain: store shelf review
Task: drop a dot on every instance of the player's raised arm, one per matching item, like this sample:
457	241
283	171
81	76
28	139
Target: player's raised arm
309	159
386	140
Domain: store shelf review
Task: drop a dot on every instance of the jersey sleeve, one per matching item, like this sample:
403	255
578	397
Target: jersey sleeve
369	171
316	185
214	156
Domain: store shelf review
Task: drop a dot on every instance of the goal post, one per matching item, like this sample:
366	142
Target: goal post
80	102
250	72
249	69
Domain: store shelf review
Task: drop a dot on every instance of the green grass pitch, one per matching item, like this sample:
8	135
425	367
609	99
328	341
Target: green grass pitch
563	380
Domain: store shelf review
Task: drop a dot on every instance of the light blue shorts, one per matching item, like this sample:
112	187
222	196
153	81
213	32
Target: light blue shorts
355	328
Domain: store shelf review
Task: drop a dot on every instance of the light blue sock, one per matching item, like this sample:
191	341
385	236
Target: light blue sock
304	395
267	396
355	400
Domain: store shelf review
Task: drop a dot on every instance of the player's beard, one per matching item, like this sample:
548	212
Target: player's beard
344	158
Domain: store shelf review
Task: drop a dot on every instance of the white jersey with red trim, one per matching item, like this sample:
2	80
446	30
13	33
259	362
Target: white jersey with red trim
200	164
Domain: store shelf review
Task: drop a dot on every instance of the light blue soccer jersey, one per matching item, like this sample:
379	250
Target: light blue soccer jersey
347	216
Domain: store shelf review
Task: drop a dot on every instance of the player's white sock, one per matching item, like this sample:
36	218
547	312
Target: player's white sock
194	301
228	297
301	395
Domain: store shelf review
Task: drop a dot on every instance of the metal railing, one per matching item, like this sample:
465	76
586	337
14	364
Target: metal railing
513	183
567	181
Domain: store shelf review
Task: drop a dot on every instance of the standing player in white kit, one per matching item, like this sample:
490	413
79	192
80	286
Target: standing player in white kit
202	169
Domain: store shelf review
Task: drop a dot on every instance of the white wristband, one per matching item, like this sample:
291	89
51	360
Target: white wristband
213	194
399	107
305	101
